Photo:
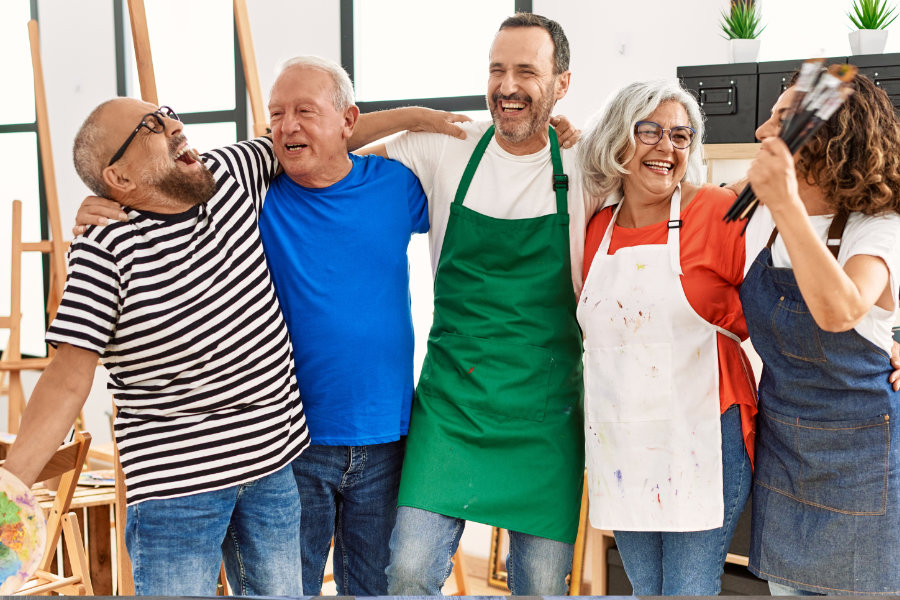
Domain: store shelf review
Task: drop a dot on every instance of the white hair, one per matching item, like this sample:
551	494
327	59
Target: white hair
342	90
608	143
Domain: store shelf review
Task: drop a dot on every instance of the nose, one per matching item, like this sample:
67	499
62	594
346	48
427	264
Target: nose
508	84
665	142
767	129
172	126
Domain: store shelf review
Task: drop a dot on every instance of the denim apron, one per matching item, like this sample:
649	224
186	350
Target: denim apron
652	410
495	433
826	488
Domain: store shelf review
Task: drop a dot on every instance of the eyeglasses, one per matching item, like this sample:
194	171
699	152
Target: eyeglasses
651	133
152	121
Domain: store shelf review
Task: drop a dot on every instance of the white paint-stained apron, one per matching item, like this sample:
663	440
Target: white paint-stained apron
652	416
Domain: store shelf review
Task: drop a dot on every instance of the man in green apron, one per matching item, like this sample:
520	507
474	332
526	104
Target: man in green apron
496	430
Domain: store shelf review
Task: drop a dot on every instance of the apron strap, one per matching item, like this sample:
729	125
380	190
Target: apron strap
560	179
835	233
472	166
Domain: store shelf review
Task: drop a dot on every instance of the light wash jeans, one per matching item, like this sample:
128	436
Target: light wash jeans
690	563
778	589
177	544
423	544
349	493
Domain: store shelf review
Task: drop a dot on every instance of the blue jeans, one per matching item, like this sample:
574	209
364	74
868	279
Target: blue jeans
690	563
348	493
177	544
423	544
778	589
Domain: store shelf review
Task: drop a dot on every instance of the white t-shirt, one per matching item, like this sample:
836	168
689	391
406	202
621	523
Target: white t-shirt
505	186
875	236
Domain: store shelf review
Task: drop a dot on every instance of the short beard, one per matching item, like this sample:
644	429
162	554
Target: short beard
540	115
189	189
185	189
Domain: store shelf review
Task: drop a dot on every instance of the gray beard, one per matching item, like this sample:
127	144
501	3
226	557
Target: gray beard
188	189
540	115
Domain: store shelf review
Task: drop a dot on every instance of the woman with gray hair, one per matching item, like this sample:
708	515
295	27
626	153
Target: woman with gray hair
669	396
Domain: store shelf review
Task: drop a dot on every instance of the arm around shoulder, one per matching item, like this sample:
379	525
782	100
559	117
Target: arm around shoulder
58	396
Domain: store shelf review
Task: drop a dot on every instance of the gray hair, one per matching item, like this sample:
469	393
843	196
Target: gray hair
609	144
87	149
342	90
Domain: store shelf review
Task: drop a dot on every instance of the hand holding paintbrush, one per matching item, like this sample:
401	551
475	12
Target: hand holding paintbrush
818	93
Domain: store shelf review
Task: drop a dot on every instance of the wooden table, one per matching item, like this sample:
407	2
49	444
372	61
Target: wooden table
99	502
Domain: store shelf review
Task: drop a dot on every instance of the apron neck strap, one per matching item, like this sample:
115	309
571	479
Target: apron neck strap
560	179
835	233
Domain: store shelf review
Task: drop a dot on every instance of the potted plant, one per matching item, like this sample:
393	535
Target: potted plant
871	18
741	28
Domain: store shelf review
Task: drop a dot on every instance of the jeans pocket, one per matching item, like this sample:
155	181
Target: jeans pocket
501	378
797	332
840	466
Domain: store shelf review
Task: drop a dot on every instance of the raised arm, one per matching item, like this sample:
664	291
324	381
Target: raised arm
376	125
838	297
58	396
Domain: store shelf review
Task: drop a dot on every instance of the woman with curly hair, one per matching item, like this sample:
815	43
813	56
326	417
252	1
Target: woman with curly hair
820	300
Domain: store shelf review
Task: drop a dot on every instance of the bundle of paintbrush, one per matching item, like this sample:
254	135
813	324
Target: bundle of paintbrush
818	93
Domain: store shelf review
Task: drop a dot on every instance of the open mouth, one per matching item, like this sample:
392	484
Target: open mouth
294	147
187	155
659	166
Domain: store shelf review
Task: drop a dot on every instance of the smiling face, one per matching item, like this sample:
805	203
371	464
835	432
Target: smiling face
522	88
158	171
310	135
655	170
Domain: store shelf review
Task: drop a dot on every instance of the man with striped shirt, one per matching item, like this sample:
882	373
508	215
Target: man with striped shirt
177	303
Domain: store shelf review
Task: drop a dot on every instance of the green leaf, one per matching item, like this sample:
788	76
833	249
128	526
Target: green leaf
872	14
742	20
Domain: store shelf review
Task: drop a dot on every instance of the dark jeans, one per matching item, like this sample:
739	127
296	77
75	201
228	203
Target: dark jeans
348	493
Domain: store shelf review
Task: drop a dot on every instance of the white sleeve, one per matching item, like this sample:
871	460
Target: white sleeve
875	236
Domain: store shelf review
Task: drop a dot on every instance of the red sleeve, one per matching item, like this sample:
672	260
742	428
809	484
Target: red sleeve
595	230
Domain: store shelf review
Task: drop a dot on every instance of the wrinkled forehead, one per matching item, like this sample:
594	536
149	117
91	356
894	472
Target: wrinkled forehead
123	114
302	83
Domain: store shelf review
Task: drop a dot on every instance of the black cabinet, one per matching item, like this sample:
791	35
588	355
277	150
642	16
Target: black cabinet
738	98
727	96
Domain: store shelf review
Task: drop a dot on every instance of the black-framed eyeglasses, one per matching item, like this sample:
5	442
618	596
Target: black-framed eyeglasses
651	133
152	121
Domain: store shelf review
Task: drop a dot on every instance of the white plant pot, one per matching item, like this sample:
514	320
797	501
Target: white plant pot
868	41
741	51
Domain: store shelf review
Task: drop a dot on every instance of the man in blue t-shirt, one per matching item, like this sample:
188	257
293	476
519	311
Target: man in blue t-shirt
335	228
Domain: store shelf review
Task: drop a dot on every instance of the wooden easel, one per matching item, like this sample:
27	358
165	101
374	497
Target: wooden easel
12	363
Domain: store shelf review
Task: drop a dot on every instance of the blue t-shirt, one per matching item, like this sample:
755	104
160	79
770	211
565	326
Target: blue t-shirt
337	256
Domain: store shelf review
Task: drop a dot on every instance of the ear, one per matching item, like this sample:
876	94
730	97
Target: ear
118	181
562	84
351	117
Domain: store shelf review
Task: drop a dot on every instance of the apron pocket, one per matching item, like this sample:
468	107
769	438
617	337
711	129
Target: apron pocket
840	466
498	378
629	383
797	332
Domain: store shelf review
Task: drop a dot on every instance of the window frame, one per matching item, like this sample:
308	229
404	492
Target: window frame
449	103
237	115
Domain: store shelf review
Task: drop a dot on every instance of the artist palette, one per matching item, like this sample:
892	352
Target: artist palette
23	533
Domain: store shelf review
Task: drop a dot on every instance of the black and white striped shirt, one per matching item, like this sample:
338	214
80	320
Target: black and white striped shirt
184	316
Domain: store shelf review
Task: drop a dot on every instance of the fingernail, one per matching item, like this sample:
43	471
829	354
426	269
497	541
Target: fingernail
123	216
102	220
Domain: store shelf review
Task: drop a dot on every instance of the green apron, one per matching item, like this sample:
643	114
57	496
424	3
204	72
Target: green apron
496	431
